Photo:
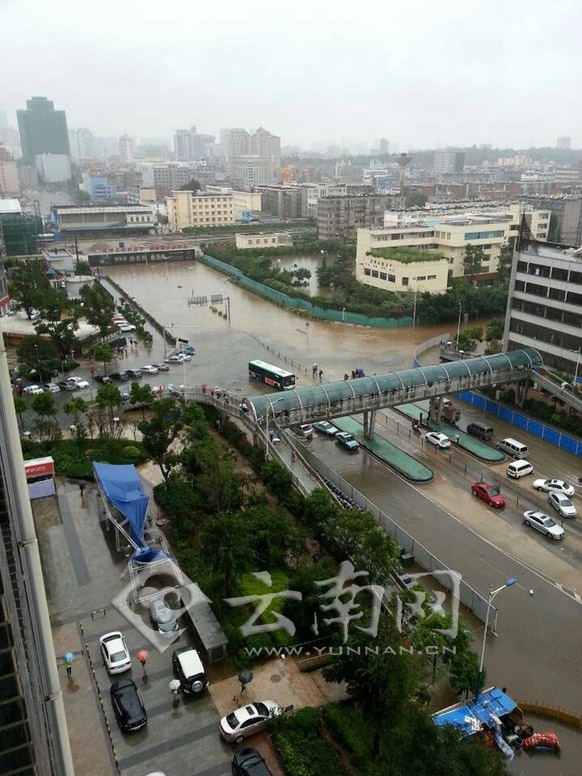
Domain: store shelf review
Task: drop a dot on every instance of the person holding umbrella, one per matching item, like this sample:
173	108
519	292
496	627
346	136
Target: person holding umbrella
69	658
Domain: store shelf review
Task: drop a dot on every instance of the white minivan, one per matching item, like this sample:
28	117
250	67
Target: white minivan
512	447
520	468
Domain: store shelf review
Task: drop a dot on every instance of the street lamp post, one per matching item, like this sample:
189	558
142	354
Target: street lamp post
414	308
492	593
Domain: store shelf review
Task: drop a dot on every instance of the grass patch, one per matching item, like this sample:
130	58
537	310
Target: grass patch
350	729
301	748
405	255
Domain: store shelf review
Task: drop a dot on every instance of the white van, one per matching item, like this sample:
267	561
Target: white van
512	447
518	469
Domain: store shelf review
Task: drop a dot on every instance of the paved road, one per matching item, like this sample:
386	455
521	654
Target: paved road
538	654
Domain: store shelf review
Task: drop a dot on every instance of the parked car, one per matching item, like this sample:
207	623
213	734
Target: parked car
189	670
345	439
32	390
162	617
162	367
248	720
181	356
115	653
325	427
103	379
173	360
305	430
249	762
150	369
51	388
128	705
543	523
133	372
190	350
80	381
490	494
126	327
562	504
122	377
124	395
68	385
552	486
437	439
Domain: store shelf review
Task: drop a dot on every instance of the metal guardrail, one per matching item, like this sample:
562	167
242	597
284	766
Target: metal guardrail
427	345
555	388
469	597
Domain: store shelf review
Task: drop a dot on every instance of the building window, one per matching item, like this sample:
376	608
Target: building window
366	271
559	274
421	277
374	273
431	277
392	278
557	293
404	281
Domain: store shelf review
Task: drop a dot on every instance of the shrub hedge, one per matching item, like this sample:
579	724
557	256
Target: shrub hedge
301	748
75	459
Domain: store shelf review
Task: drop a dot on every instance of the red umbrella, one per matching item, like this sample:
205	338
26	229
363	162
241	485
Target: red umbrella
142	656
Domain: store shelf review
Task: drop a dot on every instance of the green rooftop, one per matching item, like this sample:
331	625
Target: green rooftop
406	255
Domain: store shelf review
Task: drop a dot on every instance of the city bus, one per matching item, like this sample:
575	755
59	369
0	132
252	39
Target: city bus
272	375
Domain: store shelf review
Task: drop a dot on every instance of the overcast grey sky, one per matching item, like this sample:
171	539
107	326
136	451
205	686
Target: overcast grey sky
418	72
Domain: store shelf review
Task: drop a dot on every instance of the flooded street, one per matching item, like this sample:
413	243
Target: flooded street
258	327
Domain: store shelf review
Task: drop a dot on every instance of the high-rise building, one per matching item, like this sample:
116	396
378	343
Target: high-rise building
342	216
126	149
9	180
53	168
189	145
448	162
43	130
4	298
253	158
82	144
544	305
564	143
383	146
33	727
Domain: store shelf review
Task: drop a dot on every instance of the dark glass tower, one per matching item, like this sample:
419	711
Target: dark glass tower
43	130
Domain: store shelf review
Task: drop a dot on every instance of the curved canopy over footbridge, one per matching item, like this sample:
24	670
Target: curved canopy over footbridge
347	397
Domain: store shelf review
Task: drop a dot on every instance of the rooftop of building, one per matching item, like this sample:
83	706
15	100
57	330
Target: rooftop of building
10	206
406	255
545	251
100	208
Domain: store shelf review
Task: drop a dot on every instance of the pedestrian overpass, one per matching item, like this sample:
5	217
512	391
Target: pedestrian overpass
366	395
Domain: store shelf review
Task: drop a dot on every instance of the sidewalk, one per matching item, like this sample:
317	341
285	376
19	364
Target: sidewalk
89	742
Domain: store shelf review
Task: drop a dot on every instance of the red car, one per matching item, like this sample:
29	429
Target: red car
490	494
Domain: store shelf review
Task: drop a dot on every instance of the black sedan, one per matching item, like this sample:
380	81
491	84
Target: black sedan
103	379
249	762
128	705
123	377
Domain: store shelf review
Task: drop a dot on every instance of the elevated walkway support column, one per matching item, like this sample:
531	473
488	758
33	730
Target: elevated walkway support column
434	410
369	423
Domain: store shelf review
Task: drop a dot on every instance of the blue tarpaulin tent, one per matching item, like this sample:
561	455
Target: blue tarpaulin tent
122	487
470	716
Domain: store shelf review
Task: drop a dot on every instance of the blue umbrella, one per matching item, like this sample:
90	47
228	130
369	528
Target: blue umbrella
68	657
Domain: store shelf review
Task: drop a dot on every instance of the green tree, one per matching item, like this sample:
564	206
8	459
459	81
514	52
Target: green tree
473	260
160	432
75	407
43	405
39	355
98	307
227	547
141	394
27	285
416	199
193	185
495	329
505	261
60	320
103	353
82	268
381	681
319	508
109	399
20	407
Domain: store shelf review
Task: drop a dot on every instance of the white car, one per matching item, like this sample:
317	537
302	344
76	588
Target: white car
183	357
437	439
554	486
126	327
32	390
115	653
79	381
543	523
149	369
562	504
51	388
248	720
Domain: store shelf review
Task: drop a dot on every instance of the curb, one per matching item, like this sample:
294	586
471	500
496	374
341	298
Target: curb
105	718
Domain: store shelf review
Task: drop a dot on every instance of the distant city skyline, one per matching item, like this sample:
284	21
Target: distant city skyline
417	74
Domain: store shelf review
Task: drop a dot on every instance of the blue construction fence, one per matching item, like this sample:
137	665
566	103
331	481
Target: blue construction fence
296	303
520	420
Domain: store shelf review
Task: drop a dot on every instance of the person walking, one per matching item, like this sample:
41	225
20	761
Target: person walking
69	669
346	376
82	491
320	375
314	370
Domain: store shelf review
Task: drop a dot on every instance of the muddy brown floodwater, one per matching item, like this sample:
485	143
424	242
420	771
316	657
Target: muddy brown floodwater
224	349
